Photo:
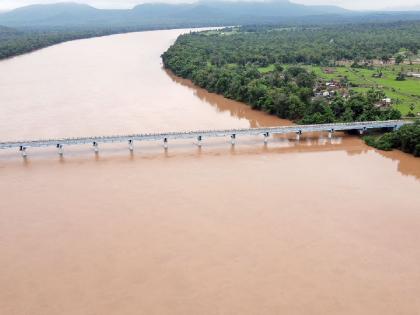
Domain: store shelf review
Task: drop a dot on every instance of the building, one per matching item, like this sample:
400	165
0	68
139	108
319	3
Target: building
413	75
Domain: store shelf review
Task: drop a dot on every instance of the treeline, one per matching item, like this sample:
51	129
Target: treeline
406	139
323	45
15	42
228	62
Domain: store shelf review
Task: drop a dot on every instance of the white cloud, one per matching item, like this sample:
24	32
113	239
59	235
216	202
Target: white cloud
120	4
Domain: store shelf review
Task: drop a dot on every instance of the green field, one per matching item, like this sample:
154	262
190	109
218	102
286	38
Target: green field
267	69
402	93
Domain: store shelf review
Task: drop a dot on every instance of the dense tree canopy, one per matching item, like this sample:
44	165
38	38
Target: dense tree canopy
406	139
15	42
231	62
264	45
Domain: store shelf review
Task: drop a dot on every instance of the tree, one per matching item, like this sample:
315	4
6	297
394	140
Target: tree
338	106
400	77
305	80
296	108
390	114
280	105
375	95
357	104
348	115
399	59
278	67
256	93
385	58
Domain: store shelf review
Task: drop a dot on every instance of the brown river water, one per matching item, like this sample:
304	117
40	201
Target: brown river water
317	226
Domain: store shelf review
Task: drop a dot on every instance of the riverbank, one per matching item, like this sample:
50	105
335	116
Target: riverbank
406	139
229	62
287	91
16	42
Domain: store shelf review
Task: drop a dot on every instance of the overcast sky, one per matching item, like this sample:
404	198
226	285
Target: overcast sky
349	4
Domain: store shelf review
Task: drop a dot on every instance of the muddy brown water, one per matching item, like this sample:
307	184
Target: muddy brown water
312	227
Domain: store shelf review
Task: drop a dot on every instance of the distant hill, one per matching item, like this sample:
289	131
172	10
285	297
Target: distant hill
60	14
202	13
213	12
7	32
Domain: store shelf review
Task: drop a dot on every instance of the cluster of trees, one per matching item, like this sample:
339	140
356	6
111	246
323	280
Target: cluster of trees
359	107
265	45
15	42
407	139
227	63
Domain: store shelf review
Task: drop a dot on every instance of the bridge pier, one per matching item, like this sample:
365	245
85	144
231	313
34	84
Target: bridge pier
130	145
298	135
199	139
233	139
362	131
22	150
165	143
60	149
266	135
330	133
95	147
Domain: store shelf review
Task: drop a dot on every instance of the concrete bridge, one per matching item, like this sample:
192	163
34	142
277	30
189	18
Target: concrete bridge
200	135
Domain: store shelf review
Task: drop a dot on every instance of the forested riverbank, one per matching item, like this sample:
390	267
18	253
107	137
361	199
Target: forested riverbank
261	67
406	139
266	67
14	42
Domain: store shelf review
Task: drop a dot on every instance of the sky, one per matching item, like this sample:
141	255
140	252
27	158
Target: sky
124	4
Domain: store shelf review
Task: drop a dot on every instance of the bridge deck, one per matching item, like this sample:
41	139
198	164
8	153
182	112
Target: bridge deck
207	134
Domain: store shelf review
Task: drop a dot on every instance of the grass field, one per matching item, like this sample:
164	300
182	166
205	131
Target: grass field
267	69
402	93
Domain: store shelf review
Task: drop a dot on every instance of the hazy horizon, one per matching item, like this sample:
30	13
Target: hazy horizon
127	4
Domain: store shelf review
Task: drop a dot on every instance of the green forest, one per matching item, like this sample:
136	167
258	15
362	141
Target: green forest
14	42
321	45
273	68
406	139
264	66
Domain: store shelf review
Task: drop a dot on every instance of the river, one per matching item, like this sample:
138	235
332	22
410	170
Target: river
317	226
